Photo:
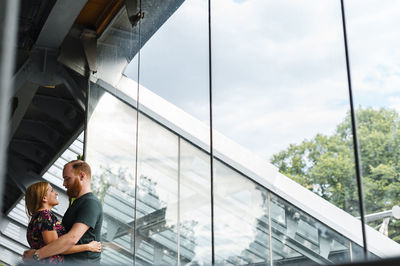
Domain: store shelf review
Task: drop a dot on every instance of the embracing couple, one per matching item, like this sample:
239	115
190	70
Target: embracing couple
76	239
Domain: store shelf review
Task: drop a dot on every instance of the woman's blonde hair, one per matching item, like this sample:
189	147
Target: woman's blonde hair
34	195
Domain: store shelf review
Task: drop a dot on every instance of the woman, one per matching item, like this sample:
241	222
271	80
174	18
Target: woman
44	227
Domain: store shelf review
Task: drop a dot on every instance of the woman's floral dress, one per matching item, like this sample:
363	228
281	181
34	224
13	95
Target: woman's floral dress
44	220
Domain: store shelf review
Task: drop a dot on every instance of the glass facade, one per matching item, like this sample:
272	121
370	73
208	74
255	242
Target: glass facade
274	180
280	91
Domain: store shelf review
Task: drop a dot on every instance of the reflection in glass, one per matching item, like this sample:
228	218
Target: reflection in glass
157	195
195	206
240	219
111	154
300	239
116	47
174	42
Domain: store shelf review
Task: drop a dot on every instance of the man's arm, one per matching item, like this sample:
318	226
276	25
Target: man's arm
50	236
61	244
93	246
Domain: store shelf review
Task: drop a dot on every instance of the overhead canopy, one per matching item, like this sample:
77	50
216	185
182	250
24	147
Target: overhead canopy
59	44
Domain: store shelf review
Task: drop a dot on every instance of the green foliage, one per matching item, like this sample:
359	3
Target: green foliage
325	164
101	183
105	178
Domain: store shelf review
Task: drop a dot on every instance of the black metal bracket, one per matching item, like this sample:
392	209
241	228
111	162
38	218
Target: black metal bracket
133	8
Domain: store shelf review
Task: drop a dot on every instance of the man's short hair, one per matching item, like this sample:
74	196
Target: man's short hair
80	166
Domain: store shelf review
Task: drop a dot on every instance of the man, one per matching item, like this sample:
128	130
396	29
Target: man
82	220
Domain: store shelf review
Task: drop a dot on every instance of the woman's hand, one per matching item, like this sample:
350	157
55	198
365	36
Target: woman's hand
94	246
28	255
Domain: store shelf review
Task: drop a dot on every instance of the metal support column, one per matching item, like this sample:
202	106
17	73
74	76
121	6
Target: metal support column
355	137
8	33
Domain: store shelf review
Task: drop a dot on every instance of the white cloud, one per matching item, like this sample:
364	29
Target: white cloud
374	42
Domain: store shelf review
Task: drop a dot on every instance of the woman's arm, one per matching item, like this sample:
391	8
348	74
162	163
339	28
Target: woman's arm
49	236
94	246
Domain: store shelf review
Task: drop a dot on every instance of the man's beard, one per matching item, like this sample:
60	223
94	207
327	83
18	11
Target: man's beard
75	189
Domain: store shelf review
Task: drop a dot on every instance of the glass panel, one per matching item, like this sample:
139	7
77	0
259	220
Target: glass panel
240	219
299	239
280	92
195	206
174	42
174	61
116	47
157	200
111	153
374	56
358	253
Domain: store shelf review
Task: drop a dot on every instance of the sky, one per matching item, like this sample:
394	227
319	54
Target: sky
278	67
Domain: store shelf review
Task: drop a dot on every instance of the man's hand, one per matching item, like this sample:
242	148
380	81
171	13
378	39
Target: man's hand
94	246
28	254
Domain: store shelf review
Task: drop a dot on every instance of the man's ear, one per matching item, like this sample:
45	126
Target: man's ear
81	175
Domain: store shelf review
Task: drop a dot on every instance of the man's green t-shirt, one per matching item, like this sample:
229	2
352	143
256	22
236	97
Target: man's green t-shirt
87	210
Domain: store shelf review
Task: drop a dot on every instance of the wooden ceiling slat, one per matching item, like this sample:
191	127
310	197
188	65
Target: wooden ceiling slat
98	13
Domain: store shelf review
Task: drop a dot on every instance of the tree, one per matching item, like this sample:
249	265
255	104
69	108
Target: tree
325	164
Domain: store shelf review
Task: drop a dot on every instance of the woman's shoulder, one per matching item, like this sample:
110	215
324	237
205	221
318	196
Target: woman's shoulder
44	220
44	214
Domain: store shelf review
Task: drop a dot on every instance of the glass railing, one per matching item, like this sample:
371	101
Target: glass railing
170	219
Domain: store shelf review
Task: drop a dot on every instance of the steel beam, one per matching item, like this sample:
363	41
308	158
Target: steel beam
73	87
59	22
24	96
